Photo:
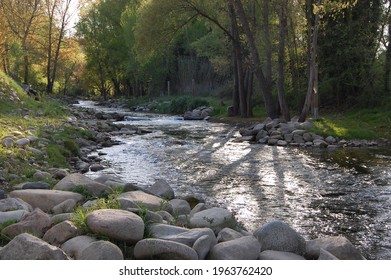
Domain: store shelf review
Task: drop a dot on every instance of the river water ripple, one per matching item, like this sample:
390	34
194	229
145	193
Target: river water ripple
343	192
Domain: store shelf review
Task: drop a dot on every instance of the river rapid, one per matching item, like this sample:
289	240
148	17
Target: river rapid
319	193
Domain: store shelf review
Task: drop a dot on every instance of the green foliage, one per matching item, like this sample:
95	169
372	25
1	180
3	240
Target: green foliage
357	124
182	104
80	215
4	239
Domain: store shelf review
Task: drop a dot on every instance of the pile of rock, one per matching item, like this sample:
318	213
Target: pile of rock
150	223
280	133
201	113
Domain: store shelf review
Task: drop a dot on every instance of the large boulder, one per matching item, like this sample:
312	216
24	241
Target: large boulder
180	234
180	207
101	250
137	199
28	247
278	255
45	199
119	225
16	215
163	249
11	203
279	236
75	246
36	222
214	218
162	189
243	248
61	232
76	180
338	246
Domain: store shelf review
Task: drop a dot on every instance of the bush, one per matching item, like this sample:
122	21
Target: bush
186	103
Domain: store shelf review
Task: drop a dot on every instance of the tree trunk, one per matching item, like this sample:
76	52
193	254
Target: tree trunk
268	44
265	88
312	71
281	63
387	64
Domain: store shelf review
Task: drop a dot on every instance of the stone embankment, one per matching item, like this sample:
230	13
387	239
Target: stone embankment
149	223
280	133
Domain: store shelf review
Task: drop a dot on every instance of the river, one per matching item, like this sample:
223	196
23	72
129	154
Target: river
319	193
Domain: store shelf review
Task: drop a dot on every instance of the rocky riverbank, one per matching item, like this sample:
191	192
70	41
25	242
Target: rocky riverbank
63	214
281	133
146	223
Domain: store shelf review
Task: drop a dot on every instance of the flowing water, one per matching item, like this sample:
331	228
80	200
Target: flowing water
319	193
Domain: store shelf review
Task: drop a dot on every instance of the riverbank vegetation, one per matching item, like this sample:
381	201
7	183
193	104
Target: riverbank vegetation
24	116
277	58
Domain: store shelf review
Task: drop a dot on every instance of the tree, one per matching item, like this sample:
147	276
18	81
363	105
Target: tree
59	16
21	18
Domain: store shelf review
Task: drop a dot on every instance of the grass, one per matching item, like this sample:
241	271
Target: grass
44	118
356	124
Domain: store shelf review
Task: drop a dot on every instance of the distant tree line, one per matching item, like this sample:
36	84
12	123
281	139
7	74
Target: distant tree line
293	56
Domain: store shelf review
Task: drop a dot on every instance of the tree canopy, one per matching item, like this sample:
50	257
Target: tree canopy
290	56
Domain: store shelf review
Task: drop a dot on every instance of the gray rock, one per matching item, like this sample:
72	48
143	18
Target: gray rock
279	236
28	247
11	203
15	215
261	134
331	140
243	248
76	180
306	125
8	142
141	199
338	246
326	256
282	143
2	193
45	199
258	127
180	207
297	138
101	250
163	249
198	208
278	255
272	141
61	232
60	174
56	219
299	132
41	175
227	234
35	186
117	224
162	189
181	234
22	142
214	218
307	137
203	245
75	246
167	217
36	222
147	216
96	167
288	137
320	143
66	206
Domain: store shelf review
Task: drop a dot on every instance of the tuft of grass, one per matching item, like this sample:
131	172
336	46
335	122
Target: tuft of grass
4	239
80	215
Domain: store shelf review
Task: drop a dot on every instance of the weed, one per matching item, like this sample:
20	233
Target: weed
4	239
